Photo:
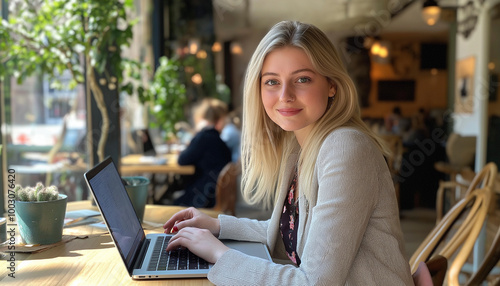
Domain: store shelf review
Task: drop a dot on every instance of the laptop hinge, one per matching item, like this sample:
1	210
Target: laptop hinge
140	258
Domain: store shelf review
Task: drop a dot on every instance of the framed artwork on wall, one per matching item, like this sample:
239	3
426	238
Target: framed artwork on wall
464	85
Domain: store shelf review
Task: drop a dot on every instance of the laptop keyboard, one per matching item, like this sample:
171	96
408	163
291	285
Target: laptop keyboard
181	259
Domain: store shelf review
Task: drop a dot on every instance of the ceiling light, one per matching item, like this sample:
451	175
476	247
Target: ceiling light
236	49
216	47
380	51
193	45
197	79
201	54
384	52
375	49
431	12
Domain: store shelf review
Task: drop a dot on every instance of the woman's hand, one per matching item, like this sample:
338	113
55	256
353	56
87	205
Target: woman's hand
200	242
192	217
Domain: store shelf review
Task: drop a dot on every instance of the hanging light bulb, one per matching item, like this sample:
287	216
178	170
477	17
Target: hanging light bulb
197	79
194	45
201	54
491	66
236	49
216	47
375	49
384	52
380	51
431	12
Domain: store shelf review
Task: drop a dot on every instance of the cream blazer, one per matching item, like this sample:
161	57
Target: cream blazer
349	231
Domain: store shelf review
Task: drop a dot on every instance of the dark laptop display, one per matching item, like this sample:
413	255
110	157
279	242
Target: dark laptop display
123	225
148	147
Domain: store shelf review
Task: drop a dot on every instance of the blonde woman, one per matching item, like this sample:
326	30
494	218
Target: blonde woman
306	151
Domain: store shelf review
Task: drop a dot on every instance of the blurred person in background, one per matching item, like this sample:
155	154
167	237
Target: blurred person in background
207	152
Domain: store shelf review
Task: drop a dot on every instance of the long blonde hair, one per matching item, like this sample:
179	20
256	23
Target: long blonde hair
265	146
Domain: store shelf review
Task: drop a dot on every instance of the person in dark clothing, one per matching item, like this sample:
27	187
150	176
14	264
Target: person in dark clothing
208	153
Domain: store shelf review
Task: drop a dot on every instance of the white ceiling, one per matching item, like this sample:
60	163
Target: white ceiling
235	18
328	15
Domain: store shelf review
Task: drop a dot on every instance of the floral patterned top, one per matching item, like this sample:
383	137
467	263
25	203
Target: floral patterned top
289	222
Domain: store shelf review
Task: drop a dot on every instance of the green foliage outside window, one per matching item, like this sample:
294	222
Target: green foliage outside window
84	37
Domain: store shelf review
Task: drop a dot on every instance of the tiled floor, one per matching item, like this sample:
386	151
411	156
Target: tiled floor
416	224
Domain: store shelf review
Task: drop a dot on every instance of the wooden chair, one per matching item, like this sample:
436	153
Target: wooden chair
491	259
453	191
460	151
227	186
432	272
485	178
474	206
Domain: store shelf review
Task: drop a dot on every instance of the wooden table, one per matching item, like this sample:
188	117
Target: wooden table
132	164
89	261
135	164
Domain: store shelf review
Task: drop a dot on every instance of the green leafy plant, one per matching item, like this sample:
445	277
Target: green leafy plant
84	37
166	95
39	193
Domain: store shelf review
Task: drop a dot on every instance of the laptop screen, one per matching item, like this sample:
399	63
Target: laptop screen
116	208
146	142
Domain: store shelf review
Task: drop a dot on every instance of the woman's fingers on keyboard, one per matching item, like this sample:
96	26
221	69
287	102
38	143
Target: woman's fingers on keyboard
178	217
199	241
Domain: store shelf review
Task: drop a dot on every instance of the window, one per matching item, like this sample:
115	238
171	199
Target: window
33	128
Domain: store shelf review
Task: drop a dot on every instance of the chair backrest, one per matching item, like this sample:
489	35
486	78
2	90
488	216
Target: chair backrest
460	150
225	191
485	178
440	196
490	260
475	207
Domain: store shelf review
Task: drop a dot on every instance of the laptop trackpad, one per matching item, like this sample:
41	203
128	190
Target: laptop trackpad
256	249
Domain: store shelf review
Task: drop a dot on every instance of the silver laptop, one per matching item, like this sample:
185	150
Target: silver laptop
145	256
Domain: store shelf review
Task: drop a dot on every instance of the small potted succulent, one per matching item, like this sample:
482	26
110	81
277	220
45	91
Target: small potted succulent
40	213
